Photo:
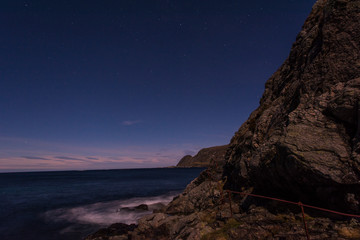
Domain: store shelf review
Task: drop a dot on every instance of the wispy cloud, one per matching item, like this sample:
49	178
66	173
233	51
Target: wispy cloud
36	158
130	122
68	158
29	154
105	159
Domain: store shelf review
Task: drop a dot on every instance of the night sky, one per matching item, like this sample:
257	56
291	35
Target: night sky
130	83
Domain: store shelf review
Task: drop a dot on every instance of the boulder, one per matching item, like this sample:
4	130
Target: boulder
116	231
142	207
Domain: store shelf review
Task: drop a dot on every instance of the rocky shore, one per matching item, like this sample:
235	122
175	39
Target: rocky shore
202	211
301	144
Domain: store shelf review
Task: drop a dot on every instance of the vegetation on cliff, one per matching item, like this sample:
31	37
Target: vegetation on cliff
204	157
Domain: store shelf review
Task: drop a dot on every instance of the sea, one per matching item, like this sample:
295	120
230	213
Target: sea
70	205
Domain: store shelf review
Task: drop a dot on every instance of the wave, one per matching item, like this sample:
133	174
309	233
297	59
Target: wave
106	213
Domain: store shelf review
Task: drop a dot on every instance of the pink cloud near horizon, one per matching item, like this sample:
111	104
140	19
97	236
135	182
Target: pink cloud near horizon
18	154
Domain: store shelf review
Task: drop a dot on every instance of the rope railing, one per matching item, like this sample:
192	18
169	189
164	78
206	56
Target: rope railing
296	203
300	204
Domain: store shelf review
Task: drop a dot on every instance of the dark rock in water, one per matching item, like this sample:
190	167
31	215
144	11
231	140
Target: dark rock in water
143	207
125	209
117	229
303	140
204	157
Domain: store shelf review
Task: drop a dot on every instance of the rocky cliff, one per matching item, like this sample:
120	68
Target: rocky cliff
303	140
301	144
202	212
204	157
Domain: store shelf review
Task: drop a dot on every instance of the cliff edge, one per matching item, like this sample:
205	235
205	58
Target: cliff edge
302	142
204	157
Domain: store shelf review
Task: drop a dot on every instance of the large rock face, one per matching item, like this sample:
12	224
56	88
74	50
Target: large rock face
204	157
303	140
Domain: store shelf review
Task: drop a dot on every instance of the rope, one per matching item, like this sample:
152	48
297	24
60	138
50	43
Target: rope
295	203
301	205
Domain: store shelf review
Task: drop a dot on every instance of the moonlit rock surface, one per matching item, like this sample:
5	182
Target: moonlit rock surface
303	140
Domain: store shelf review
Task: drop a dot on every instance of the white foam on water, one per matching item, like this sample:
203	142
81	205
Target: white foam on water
106	213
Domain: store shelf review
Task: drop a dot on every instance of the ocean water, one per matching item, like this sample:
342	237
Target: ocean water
72	204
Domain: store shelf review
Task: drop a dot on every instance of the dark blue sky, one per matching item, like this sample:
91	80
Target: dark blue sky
113	84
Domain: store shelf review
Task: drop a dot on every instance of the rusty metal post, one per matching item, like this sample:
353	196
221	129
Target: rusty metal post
303	216
229	194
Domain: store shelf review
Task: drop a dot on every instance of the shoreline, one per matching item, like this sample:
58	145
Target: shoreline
200	212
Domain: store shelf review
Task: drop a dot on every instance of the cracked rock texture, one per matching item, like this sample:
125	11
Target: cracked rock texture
303	140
